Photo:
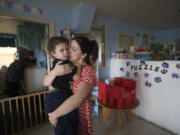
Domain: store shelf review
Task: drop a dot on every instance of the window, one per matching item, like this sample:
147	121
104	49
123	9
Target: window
126	41
8	48
7	55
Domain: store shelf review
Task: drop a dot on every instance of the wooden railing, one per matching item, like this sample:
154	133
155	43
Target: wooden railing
22	112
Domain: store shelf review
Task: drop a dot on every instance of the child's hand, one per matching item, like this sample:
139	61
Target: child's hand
52	119
51	88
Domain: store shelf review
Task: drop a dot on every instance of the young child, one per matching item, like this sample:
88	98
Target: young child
68	124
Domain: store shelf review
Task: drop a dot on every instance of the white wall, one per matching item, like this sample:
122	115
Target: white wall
160	103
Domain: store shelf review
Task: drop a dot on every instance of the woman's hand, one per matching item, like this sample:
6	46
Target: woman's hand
61	69
57	71
52	119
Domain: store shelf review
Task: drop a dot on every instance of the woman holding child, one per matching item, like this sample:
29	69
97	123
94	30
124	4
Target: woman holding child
83	54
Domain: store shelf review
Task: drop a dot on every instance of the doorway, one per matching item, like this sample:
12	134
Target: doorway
49	29
16	20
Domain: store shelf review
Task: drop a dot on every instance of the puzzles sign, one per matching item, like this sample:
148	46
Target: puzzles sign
19	7
149	68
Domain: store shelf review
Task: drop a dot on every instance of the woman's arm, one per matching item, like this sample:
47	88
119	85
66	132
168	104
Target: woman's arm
87	81
72	102
57	71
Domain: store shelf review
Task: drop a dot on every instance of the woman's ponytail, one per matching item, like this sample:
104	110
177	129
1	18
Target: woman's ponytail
90	47
94	51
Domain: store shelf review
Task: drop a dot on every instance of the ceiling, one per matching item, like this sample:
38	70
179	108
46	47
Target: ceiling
151	14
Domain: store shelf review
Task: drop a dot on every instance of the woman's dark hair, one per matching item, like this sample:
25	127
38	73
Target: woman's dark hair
90	47
53	41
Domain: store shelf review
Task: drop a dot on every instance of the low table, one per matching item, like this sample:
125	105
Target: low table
106	109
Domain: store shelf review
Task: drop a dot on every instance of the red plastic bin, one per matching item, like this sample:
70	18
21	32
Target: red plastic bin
103	93
116	96
118	81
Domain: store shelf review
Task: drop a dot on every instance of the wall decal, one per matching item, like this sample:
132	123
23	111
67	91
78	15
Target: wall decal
122	69
20	7
146	75
136	74
148	84
165	65
178	66
127	74
149	67
157	79
153	73
128	63
175	75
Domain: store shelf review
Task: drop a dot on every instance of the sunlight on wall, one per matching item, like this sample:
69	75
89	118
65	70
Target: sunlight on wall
7	55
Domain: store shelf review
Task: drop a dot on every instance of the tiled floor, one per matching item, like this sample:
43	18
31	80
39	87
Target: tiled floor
135	127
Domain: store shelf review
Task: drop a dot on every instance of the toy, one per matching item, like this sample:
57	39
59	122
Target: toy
142	54
120	53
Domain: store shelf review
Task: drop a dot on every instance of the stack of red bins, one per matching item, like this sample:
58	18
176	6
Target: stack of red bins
111	95
119	95
116	96
103	92
129	91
